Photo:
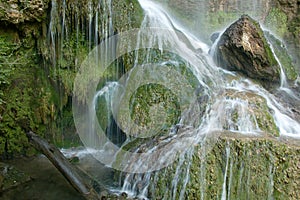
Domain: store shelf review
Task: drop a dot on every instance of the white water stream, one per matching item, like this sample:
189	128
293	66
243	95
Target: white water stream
219	116
156	16
228	107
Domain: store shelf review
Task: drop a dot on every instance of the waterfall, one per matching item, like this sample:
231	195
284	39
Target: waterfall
75	28
224	188
284	85
156	16
75	22
271	184
219	102
223	113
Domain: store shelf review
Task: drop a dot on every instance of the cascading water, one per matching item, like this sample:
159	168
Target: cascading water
91	23
226	96
75	28
230	114
225	174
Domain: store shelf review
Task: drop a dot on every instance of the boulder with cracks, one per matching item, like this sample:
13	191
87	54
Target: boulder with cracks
244	48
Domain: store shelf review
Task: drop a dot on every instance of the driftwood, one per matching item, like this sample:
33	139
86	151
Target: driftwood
69	171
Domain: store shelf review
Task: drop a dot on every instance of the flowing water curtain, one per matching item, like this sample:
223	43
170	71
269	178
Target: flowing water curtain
212	83
164	40
239	115
75	28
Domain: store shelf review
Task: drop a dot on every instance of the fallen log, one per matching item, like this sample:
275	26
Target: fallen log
69	171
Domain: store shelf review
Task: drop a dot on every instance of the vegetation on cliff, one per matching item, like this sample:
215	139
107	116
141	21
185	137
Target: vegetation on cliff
42	47
43	44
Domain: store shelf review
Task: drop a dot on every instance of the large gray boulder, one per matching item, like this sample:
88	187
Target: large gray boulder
244	48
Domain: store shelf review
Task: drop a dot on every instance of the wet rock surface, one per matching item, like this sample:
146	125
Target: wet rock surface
283	56
11	177
18	11
237	167
243	48
37	178
257	106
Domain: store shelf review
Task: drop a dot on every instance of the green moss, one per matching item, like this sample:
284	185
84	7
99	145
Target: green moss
257	108
146	95
283	56
154	94
26	108
25	101
256	169
264	118
8	65
270	56
277	21
126	15
34	92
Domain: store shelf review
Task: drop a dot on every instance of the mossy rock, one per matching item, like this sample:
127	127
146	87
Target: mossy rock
23	97
237	167
127	15
36	75
283	56
149	97
277	21
257	107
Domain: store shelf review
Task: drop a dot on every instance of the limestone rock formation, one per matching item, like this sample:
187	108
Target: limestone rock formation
18	11
236	167
243	47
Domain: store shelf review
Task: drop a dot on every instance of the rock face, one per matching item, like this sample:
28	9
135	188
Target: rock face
243	48
235	168
42	68
18	11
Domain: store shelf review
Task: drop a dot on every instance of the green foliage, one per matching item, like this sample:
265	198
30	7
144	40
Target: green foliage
24	101
72	53
7	66
7	63
24	110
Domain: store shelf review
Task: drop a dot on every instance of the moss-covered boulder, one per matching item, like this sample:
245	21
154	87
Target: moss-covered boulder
243	47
